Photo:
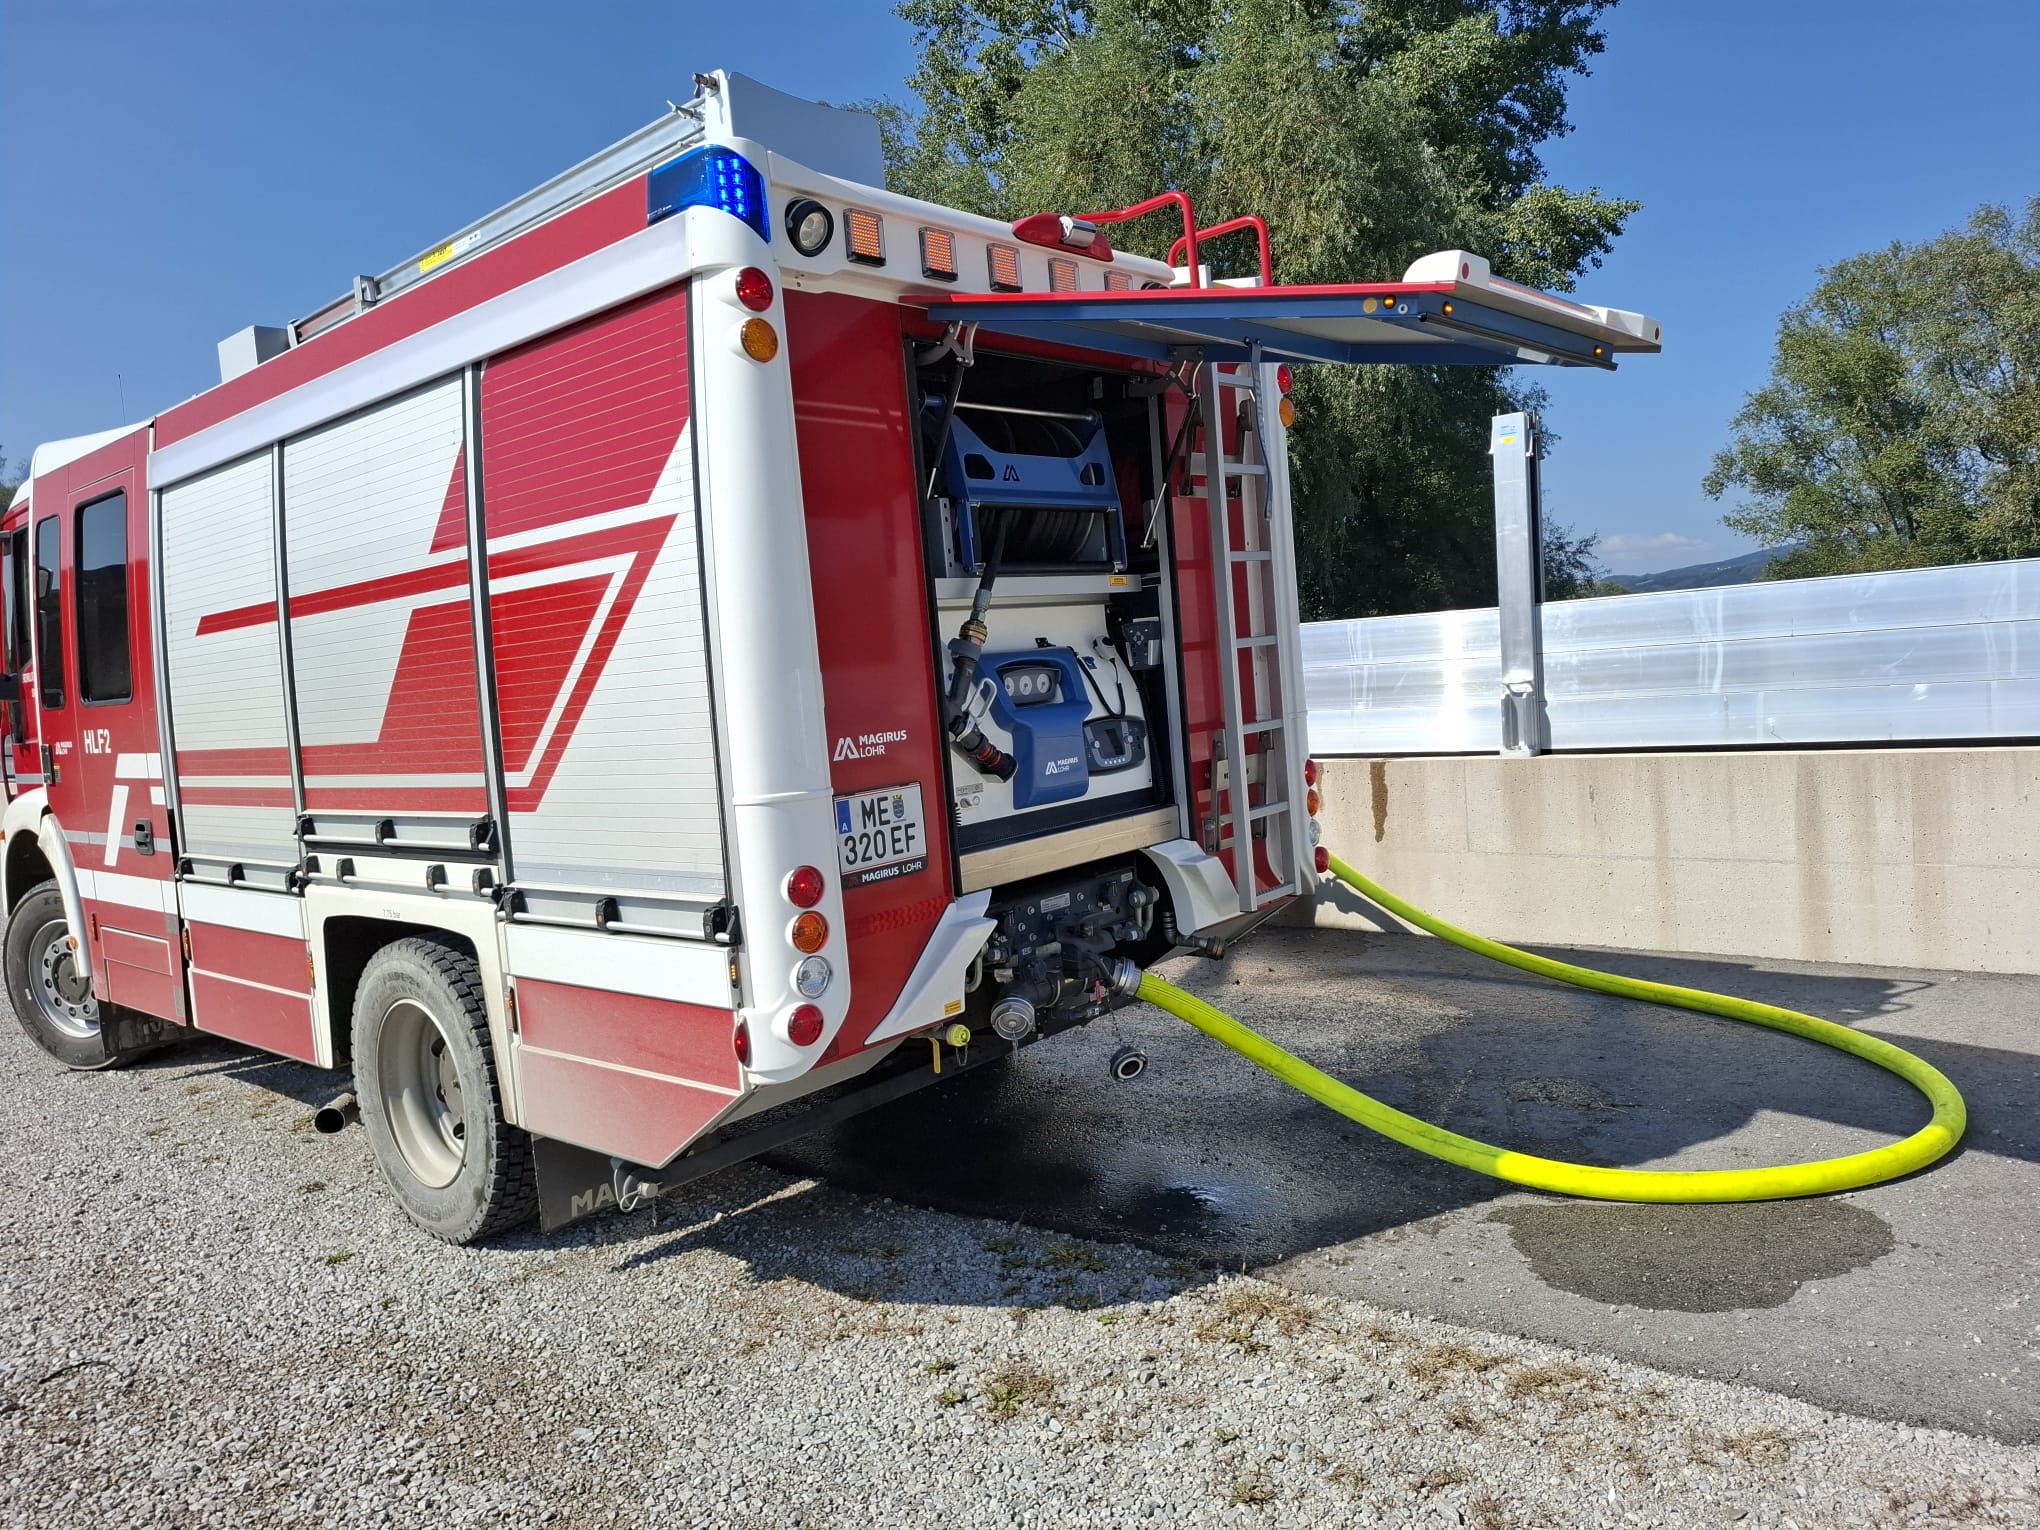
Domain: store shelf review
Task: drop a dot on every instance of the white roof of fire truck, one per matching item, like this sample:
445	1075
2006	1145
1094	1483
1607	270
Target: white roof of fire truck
1054	277
759	154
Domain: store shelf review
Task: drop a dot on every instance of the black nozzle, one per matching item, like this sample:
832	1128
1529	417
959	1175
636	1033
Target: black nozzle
986	757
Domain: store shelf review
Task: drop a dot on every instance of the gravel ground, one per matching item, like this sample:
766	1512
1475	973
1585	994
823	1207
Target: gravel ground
212	1316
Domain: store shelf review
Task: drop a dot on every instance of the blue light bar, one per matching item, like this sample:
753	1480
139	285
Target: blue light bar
709	177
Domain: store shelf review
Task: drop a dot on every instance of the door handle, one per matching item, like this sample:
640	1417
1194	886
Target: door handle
145	837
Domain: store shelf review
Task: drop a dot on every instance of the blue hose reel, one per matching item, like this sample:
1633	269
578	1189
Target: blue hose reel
1052	486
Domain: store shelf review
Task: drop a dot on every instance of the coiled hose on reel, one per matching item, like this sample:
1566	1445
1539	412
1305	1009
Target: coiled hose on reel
1823	1177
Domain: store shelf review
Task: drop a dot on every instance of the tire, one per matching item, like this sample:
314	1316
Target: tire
50	994
430	1097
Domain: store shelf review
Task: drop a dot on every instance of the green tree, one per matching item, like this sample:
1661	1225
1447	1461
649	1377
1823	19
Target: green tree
1901	423
1572	565
1366	135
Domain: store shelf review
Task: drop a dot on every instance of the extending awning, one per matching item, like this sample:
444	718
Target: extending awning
1448	310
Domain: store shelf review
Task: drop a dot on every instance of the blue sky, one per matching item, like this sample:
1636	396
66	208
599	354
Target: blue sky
170	173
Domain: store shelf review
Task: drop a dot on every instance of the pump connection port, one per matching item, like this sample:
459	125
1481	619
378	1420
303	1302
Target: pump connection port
1057	944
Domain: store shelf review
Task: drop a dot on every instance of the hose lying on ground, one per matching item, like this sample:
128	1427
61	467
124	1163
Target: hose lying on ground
1820	1178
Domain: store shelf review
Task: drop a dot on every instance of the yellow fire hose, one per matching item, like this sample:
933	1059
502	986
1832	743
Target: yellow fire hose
1821	1178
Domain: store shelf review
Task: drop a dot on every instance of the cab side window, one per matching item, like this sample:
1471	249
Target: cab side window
14	638
14	632
105	668
49	615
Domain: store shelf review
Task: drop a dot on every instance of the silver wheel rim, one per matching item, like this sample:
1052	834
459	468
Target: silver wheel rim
421	1093
62	986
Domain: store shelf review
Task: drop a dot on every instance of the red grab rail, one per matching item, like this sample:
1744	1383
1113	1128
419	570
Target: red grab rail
1253	221
1166	199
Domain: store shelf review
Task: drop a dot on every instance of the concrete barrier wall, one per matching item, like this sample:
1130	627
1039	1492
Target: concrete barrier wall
1892	857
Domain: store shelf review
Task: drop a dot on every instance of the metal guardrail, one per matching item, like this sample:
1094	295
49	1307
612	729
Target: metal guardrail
1915	656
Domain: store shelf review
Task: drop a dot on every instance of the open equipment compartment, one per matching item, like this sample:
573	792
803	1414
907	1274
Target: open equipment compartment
1040	534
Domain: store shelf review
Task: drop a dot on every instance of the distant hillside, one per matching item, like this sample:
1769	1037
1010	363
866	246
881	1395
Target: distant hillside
1746	569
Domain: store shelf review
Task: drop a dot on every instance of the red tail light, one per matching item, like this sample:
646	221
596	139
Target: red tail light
1324	860
804	1026
1310	772
1285	379
740	1039
804	887
754	289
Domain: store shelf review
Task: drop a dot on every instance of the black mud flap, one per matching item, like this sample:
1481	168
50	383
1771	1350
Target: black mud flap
572	1182
127	1033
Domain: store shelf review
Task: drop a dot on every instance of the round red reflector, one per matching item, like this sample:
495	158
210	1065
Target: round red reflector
804	887
1324	860
1310	772
1285	378
804	1026
740	1039
754	289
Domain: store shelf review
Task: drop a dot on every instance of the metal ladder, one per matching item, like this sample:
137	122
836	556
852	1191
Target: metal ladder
1255	572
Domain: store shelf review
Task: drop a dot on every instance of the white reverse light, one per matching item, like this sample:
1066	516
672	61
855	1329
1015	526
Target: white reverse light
811	977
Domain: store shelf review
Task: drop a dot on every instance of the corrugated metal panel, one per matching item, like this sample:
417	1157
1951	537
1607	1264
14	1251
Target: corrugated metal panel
382	641
596	603
226	679
1913	656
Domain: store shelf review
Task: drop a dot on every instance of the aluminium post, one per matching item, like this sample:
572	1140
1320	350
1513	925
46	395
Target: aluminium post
1519	579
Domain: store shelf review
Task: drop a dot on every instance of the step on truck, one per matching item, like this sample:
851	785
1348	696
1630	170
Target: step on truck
711	647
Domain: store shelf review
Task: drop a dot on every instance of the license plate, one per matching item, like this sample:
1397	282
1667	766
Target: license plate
881	835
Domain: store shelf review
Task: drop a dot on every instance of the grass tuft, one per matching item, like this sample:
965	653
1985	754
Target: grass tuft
1251	1490
1563	1383
1071	1256
1768	1446
1013	1387
1442	1477
1258	1303
1437	1364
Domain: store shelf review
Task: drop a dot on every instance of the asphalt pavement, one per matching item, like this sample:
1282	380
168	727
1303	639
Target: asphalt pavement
1912	1301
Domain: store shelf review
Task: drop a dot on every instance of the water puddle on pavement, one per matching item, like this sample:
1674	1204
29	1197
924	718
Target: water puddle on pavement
1694	1258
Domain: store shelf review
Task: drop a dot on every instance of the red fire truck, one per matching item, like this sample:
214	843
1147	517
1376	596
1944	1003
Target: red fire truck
712	646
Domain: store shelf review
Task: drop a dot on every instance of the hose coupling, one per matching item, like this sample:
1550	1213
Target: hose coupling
1012	1018
1123	976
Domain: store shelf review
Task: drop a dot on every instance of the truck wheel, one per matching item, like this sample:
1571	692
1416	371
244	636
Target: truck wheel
430	1101
49	985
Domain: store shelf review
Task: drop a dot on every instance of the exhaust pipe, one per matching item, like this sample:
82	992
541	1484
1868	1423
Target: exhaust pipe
334	1115
1128	1064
